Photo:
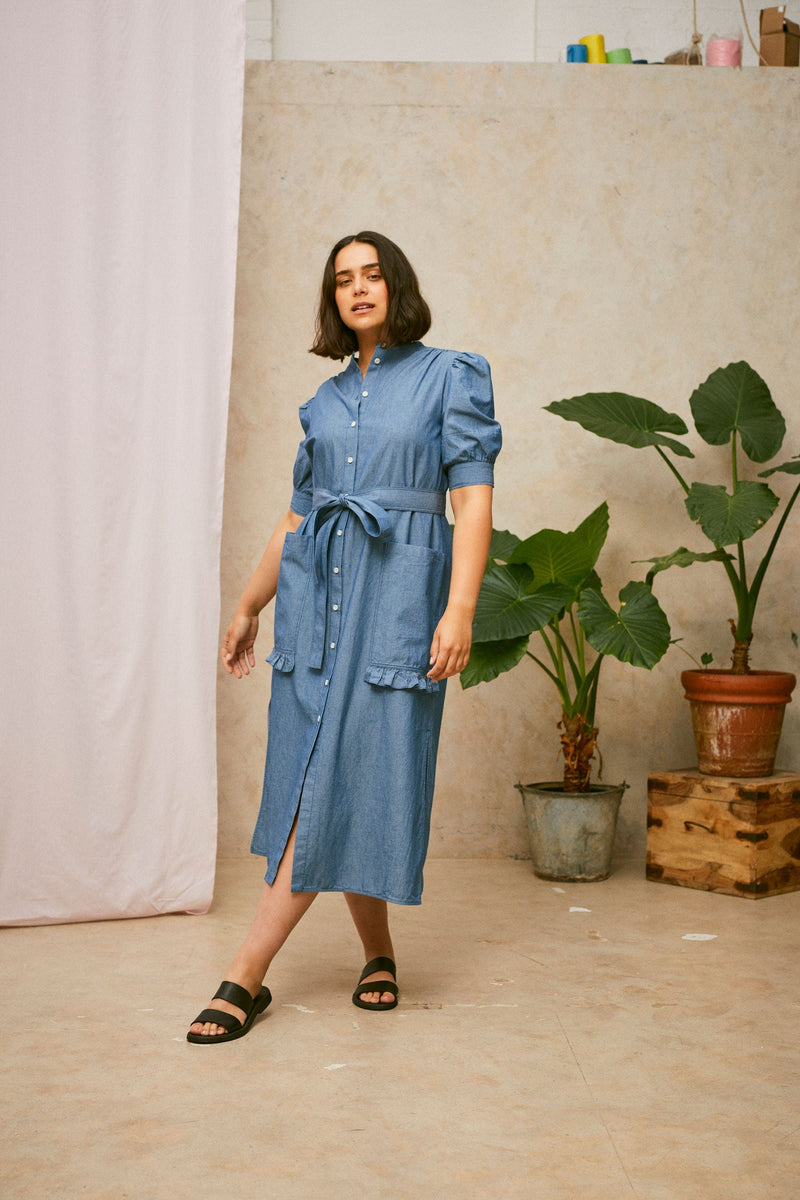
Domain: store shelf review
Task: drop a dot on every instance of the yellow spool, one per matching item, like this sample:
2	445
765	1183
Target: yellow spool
595	47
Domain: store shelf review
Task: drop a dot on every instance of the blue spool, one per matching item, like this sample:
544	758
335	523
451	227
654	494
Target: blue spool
577	53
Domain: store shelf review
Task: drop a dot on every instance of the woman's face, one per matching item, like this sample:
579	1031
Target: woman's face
361	294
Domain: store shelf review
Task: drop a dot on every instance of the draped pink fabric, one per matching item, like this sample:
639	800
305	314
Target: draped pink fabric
120	149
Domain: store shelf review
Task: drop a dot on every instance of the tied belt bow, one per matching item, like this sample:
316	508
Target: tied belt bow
371	512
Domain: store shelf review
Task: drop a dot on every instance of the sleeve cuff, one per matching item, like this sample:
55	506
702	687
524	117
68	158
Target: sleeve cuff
301	503
468	473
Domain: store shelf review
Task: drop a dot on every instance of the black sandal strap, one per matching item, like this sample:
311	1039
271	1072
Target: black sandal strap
234	994
215	1016
380	986
377	964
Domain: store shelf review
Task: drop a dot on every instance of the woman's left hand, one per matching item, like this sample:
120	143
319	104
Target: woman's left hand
452	642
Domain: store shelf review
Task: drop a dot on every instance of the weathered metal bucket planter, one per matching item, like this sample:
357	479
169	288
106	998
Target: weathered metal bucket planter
571	833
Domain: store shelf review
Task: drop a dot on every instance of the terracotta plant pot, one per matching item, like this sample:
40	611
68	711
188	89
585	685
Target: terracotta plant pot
737	719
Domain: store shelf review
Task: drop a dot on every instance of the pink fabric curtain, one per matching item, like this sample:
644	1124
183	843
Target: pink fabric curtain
120	149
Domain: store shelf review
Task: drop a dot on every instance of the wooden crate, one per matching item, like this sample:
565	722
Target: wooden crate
737	836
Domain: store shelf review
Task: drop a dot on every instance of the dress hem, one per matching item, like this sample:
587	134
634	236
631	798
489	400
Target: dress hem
356	891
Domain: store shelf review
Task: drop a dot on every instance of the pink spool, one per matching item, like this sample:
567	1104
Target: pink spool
724	52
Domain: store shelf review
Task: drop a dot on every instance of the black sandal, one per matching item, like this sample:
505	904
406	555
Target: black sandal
377	985
239	996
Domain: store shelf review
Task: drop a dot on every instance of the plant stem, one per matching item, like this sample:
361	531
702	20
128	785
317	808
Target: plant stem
564	650
762	569
551	675
674	469
559	649
550	651
579	640
594	678
739	588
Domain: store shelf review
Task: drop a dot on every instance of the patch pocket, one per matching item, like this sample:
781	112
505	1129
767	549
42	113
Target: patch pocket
411	597
294	579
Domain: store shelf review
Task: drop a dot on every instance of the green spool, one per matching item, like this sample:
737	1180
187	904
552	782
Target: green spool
619	56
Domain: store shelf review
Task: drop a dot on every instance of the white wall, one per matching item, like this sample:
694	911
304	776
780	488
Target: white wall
473	31
259	29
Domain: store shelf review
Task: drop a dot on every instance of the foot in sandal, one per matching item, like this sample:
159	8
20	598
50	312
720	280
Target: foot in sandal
232	1013
377	988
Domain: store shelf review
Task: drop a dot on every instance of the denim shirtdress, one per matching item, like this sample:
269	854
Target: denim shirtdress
353	719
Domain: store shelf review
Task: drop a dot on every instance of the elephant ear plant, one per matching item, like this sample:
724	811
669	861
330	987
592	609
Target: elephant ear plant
547	586
733	407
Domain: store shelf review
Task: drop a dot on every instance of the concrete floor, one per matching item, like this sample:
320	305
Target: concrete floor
555	1042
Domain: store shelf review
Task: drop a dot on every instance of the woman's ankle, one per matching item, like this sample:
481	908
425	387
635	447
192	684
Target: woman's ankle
247	974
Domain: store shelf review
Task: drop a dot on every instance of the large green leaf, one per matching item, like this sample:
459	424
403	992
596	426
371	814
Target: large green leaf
506	607
680	558
487	660
590	536
639	633
565	558
629	420
736	398
502	545
792	467
726	518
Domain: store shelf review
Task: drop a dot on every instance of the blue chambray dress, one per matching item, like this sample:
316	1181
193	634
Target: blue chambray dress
353	719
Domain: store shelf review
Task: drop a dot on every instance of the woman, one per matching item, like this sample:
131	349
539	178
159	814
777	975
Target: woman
370	620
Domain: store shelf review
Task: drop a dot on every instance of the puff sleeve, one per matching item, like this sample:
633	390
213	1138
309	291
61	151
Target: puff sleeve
302	472
471	437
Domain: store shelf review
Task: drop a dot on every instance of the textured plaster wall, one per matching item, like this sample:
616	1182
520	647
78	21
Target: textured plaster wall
601	229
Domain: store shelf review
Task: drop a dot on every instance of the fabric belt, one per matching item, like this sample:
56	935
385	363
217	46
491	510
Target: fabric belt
371	510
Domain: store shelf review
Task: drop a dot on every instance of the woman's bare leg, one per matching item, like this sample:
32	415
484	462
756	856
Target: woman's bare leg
279	910
371	919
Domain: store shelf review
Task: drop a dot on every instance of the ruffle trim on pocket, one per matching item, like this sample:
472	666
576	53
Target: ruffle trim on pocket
281	660
400	677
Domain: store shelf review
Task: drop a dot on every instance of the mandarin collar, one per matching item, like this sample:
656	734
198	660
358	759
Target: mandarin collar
387	355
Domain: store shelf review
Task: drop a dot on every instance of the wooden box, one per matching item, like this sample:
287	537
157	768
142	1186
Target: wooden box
737	836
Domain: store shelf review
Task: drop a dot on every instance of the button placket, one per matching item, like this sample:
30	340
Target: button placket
351	447
335	581
333	615
337	544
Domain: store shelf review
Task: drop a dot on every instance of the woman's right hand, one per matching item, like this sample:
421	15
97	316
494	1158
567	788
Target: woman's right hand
237	645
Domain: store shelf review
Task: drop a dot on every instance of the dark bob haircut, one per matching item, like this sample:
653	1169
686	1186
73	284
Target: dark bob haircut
408	317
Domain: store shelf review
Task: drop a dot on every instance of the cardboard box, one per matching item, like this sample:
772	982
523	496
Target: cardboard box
780	39
736	836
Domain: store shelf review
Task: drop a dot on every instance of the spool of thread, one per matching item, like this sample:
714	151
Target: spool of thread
595	45
619	56
577	53
724	52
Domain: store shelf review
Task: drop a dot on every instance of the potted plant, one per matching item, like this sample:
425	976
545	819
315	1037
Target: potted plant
547	587
737	712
